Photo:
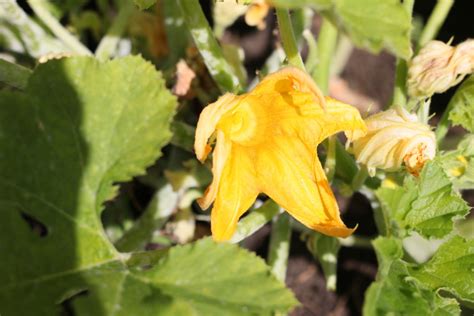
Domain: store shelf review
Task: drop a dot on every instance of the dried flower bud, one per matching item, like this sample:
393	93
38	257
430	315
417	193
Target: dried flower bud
256	13
395	137
439	66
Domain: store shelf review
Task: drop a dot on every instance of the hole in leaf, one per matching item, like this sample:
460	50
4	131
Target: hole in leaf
67	304
35	225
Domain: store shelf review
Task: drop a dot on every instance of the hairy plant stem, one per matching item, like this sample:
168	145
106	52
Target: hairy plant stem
288	38
443	125
280	246
108	44
40	9
359	179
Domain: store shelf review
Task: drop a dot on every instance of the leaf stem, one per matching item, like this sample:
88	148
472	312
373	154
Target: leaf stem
435	21
359	178
288	38
255	220
280	246
108	44
14	75
39	7
443	125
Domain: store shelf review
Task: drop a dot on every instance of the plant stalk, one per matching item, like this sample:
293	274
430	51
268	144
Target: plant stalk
39	7
280	246
435	21
288	38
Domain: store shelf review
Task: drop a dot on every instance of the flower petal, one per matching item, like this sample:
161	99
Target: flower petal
290	173
236	194
219	158
208	121
341	117
289	80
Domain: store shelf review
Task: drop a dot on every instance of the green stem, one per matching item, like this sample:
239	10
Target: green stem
330	163
327	40
399	96
356	241
255	220
443	125
342	55
108	44
288	38
359	178
435	21
40	9
14	75
280	246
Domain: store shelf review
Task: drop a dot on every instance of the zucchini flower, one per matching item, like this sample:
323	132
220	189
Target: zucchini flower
256	13
265	142
393	138
438	67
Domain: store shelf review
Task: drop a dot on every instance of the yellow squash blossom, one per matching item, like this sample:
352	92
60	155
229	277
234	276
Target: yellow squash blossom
393	138
265	141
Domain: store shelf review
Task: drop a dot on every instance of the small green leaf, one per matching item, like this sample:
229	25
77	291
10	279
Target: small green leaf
396	292
450	269
462	105
459	164
371	24
427	205
144	4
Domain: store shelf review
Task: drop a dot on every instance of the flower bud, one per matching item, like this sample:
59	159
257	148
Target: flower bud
439	66
395	137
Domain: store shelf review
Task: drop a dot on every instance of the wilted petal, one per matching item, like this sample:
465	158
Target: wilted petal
219	158
208	121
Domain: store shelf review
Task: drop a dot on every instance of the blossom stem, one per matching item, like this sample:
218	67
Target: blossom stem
39	7
288	38
280	246
360	177
108	44
435	21
443	125
327	40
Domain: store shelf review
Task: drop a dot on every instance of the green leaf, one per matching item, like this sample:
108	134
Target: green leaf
14	75
462	105
144	4
427	205
371	24
396	292
209	48
450	269
459	164
80	127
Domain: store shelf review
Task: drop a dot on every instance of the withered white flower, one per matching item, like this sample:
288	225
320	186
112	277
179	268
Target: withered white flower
395	137
439	66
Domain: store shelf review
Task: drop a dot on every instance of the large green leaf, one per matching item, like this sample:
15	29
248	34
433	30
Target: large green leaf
371	24
462	105
427	205
79	127
451	269
396	292
459	164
